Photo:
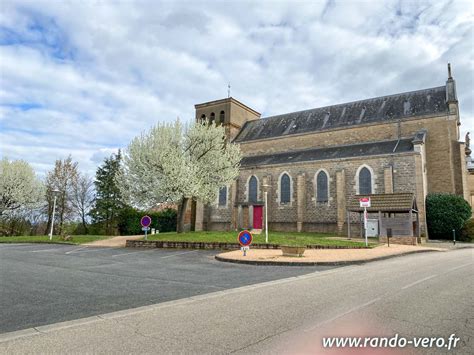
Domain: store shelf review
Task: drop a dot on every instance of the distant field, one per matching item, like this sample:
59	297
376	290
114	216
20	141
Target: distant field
282	238
76	239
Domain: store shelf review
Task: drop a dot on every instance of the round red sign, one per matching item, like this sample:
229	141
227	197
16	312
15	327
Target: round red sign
245	238
145	221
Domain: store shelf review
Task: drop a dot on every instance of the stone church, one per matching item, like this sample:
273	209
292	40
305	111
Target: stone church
309	168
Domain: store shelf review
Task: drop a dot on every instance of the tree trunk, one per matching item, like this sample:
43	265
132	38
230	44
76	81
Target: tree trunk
84	224
181	214
50	215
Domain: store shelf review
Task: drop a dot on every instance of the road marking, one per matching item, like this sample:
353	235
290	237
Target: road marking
88	251
170	256
72	251
419	281
356	308
459	267
133	252
42	250
15	245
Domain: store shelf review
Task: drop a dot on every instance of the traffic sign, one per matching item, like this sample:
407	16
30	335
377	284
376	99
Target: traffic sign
145	221
364	202
245	238
145	229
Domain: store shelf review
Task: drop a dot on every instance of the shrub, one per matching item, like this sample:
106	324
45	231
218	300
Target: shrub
467	233
445	212
129	220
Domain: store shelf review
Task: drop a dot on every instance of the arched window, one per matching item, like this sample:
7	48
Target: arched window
285	188
203	117
222	117
253	189
365	181
223	196
213	117
322	193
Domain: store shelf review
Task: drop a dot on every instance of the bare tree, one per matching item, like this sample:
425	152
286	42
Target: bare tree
82	198
63	177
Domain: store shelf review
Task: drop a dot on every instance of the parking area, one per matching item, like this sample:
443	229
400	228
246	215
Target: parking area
43	284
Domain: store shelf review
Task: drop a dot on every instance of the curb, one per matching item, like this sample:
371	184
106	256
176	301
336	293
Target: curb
317	263
165	244
30	242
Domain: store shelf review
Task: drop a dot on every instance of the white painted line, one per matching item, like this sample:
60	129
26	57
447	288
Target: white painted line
133	252
43	250
91	249
72	251
170	256
419	281
459	267
356	308
15	245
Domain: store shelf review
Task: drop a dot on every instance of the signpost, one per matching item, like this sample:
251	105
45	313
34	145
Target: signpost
245	239
145	222
365	202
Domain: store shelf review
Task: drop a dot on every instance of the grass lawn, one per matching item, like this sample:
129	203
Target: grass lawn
282	238
76	239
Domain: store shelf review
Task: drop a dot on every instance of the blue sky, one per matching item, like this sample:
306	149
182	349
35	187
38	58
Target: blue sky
85	77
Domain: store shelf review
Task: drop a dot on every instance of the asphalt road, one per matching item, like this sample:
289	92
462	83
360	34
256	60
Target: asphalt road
44	284
427	295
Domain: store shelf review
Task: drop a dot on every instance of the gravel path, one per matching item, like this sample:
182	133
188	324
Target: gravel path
114	242
325	255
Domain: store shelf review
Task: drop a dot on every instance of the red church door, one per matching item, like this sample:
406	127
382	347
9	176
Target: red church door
257	217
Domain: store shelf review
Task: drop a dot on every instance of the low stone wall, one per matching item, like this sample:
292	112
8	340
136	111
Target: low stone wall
400	240
216	245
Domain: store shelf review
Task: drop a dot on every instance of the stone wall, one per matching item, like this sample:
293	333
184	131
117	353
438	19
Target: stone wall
442	148
303	212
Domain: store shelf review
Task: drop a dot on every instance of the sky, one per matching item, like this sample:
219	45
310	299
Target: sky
85	77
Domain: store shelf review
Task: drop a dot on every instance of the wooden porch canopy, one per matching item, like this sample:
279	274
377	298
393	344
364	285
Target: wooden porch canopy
403	202
391	203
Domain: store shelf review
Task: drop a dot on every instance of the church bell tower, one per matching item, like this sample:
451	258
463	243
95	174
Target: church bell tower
229	112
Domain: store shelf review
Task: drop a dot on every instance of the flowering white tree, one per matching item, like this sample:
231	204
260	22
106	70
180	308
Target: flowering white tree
19	186
176	163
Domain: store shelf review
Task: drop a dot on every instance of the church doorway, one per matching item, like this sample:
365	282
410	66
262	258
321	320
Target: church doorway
257	217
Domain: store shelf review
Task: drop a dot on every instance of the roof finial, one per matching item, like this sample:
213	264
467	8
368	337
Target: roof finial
228	90
449	71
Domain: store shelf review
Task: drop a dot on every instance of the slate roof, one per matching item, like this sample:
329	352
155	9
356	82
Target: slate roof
335	152
396	202
380	109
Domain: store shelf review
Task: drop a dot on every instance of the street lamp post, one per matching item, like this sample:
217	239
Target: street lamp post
55	194
266	212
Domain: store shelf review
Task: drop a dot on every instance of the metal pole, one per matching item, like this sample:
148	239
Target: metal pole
146	230
365	225
52	220
266	218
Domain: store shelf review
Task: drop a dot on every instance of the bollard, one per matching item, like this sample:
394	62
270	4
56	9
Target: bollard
389	235
454	236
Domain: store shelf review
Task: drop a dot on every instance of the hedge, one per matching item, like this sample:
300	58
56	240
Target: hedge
129	220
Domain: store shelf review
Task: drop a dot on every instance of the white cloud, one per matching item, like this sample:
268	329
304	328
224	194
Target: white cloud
83	78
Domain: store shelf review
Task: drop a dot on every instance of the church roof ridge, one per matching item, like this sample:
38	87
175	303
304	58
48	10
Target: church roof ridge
357	101
372	110
352	150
